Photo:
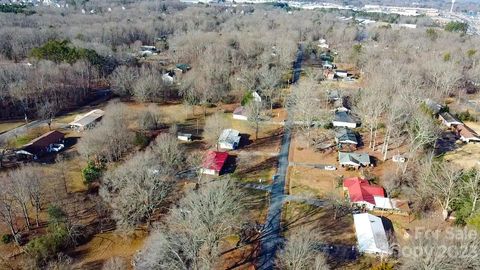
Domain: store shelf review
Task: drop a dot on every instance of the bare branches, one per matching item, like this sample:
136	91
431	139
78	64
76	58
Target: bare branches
214	125
194	229
300	253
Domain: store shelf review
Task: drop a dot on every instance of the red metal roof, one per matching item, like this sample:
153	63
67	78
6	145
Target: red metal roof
360	190
215	160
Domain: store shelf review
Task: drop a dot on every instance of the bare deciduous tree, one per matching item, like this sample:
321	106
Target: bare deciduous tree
136	189
457	249
214	126
194	229
300	252
110	139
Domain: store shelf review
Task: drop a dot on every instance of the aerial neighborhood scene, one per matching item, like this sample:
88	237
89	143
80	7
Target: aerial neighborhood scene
289	135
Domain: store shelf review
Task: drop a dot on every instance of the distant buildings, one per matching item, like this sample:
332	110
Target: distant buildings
404	11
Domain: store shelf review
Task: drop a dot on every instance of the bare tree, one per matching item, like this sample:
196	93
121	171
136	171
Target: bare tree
472	188
300	252
18	189
150	119
123	79
455	249
255	115
444	182
306	106
194	229
214	126
136	189
110	139
168	153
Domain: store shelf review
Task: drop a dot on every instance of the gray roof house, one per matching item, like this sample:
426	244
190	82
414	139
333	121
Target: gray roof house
229	139
353	159
345	136
344	119
449	120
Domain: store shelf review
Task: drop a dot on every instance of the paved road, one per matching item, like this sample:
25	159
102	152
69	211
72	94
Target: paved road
312	165
271	237
21	129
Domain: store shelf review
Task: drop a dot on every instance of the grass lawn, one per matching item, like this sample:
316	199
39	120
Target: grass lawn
27	137
6	126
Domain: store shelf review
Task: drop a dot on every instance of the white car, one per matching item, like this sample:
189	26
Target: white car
330	168
57	147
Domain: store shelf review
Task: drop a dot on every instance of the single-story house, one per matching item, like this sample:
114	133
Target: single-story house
344	119
323	46
371	235
326	57
240	113
48	142
341	73
87	121
229	139
361	193
328	65
467	134
345	135
214	162
355	160
187	137
433	106
449	120
152	49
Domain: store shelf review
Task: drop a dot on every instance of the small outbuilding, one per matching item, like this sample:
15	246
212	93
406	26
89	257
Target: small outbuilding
240	113
229	139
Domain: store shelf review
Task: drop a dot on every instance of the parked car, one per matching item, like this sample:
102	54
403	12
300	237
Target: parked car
330	168
57	147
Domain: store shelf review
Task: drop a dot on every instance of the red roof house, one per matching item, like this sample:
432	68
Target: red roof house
214	162
361	192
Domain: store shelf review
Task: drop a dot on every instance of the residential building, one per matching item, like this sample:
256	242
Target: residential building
341	73
229	139
355	160
467	134
87	121
240	113
449	120
345	135
361	193
47	143
187	137
344	119
214	163
371	235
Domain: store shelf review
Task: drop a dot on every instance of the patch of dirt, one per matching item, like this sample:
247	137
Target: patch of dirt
107	245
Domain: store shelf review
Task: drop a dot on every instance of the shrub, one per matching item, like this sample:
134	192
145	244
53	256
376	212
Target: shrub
141	139
56	214
459	27
328	125
91	172
7	238
466	116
